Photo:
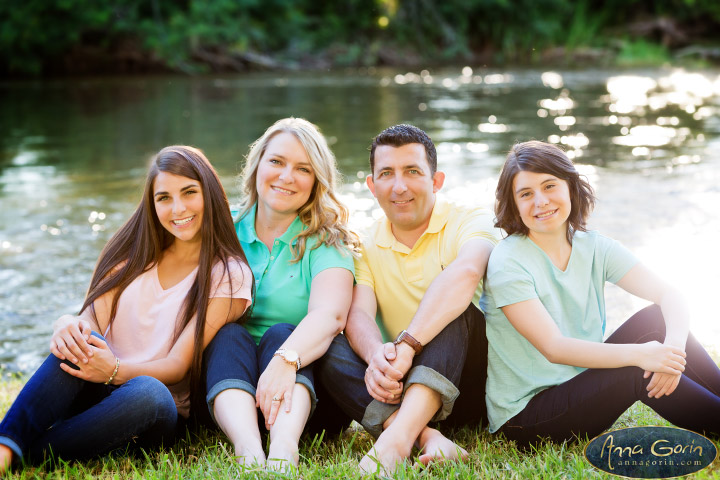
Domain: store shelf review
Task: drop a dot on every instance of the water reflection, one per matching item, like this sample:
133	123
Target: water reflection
73	157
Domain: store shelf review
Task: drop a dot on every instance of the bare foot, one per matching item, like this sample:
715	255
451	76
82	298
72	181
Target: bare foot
6	456
389	451
283	456
250	457
436	447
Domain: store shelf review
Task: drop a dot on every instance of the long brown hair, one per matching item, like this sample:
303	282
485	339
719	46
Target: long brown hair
323	214
139	244
541	157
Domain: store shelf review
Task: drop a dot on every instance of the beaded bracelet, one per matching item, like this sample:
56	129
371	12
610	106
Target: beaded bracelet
112	377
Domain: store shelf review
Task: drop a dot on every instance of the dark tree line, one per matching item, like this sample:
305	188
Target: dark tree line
78	36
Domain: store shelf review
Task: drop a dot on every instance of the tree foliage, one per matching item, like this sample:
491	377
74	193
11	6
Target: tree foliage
37	35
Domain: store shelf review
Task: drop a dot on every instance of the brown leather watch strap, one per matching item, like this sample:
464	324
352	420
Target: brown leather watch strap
410	340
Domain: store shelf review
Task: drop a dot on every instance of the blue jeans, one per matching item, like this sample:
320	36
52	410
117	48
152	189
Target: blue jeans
232	360
454	364
75	419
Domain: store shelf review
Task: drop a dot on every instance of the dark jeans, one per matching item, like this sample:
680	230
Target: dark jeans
589	403
75	419
232	360
454	364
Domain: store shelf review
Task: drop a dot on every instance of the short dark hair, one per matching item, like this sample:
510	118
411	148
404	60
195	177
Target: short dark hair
404	134
541	157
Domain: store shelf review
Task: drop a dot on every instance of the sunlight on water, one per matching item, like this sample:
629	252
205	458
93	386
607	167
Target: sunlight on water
648	141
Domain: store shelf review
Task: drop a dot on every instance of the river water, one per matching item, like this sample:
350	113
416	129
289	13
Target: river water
73	155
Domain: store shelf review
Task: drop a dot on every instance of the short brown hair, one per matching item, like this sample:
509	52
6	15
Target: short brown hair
401	135
541	157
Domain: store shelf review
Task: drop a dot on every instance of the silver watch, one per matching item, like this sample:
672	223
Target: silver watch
290	356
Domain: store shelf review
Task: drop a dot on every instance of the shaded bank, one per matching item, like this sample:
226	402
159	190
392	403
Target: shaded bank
48	37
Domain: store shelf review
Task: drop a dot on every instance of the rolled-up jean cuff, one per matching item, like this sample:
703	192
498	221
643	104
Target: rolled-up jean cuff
305	382
10	443
423	375
227	384
375	415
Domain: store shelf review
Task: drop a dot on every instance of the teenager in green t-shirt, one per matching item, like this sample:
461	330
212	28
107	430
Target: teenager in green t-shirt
550	375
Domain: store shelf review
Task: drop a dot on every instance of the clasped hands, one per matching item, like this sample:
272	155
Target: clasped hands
72	341
387	367
666	363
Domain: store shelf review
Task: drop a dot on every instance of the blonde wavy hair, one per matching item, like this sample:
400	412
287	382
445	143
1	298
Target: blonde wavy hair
323	214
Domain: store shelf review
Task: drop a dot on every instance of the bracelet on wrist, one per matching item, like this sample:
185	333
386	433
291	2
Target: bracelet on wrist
112	377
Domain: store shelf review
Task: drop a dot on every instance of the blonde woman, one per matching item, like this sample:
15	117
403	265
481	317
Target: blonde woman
294	231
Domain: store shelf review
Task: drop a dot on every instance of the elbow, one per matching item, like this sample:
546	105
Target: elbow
340	323
335	321
551	356
472	275
552	352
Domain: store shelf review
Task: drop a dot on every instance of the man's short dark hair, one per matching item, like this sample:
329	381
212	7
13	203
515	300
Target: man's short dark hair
403	134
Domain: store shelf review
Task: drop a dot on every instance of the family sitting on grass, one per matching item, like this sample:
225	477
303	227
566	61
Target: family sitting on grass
194	316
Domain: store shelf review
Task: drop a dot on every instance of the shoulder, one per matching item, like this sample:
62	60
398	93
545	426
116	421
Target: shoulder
511	250
244	225
466	222
237	269
320	253
234	280
374	233
457	212
594	240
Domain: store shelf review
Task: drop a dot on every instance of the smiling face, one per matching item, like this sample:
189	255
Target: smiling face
285	176
543	202
179	205
404	186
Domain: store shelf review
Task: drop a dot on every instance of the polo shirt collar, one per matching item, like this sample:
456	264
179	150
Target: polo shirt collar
292	231
439	217
246	229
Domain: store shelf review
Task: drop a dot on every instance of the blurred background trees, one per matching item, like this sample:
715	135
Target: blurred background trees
46	37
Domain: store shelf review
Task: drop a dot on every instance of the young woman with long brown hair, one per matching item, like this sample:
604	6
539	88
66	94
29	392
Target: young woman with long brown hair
165	283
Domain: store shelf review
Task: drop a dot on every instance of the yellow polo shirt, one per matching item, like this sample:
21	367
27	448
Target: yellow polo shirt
400	275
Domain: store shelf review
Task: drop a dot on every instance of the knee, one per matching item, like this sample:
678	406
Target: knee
651	323
232	331
337	352
277	333
229	336
153	397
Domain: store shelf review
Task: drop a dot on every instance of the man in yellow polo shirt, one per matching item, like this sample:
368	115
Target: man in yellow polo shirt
421	270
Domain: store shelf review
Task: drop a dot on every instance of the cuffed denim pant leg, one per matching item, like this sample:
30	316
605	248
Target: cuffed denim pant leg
232	360
74	419
441	366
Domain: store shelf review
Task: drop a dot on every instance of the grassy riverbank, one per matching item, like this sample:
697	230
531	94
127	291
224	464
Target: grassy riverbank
209	455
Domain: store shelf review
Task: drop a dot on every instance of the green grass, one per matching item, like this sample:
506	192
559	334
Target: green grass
208	454
640	53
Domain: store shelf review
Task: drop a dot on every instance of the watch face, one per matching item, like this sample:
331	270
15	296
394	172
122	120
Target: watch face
291	356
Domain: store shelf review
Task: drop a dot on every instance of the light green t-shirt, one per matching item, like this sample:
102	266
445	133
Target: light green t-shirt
519	270
282	288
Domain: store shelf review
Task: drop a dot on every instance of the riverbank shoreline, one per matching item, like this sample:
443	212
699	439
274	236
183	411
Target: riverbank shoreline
130	59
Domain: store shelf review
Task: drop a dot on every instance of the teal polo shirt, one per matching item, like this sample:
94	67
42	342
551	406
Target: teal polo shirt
282	288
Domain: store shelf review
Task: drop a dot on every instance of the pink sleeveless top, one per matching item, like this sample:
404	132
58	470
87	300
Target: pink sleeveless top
144	326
